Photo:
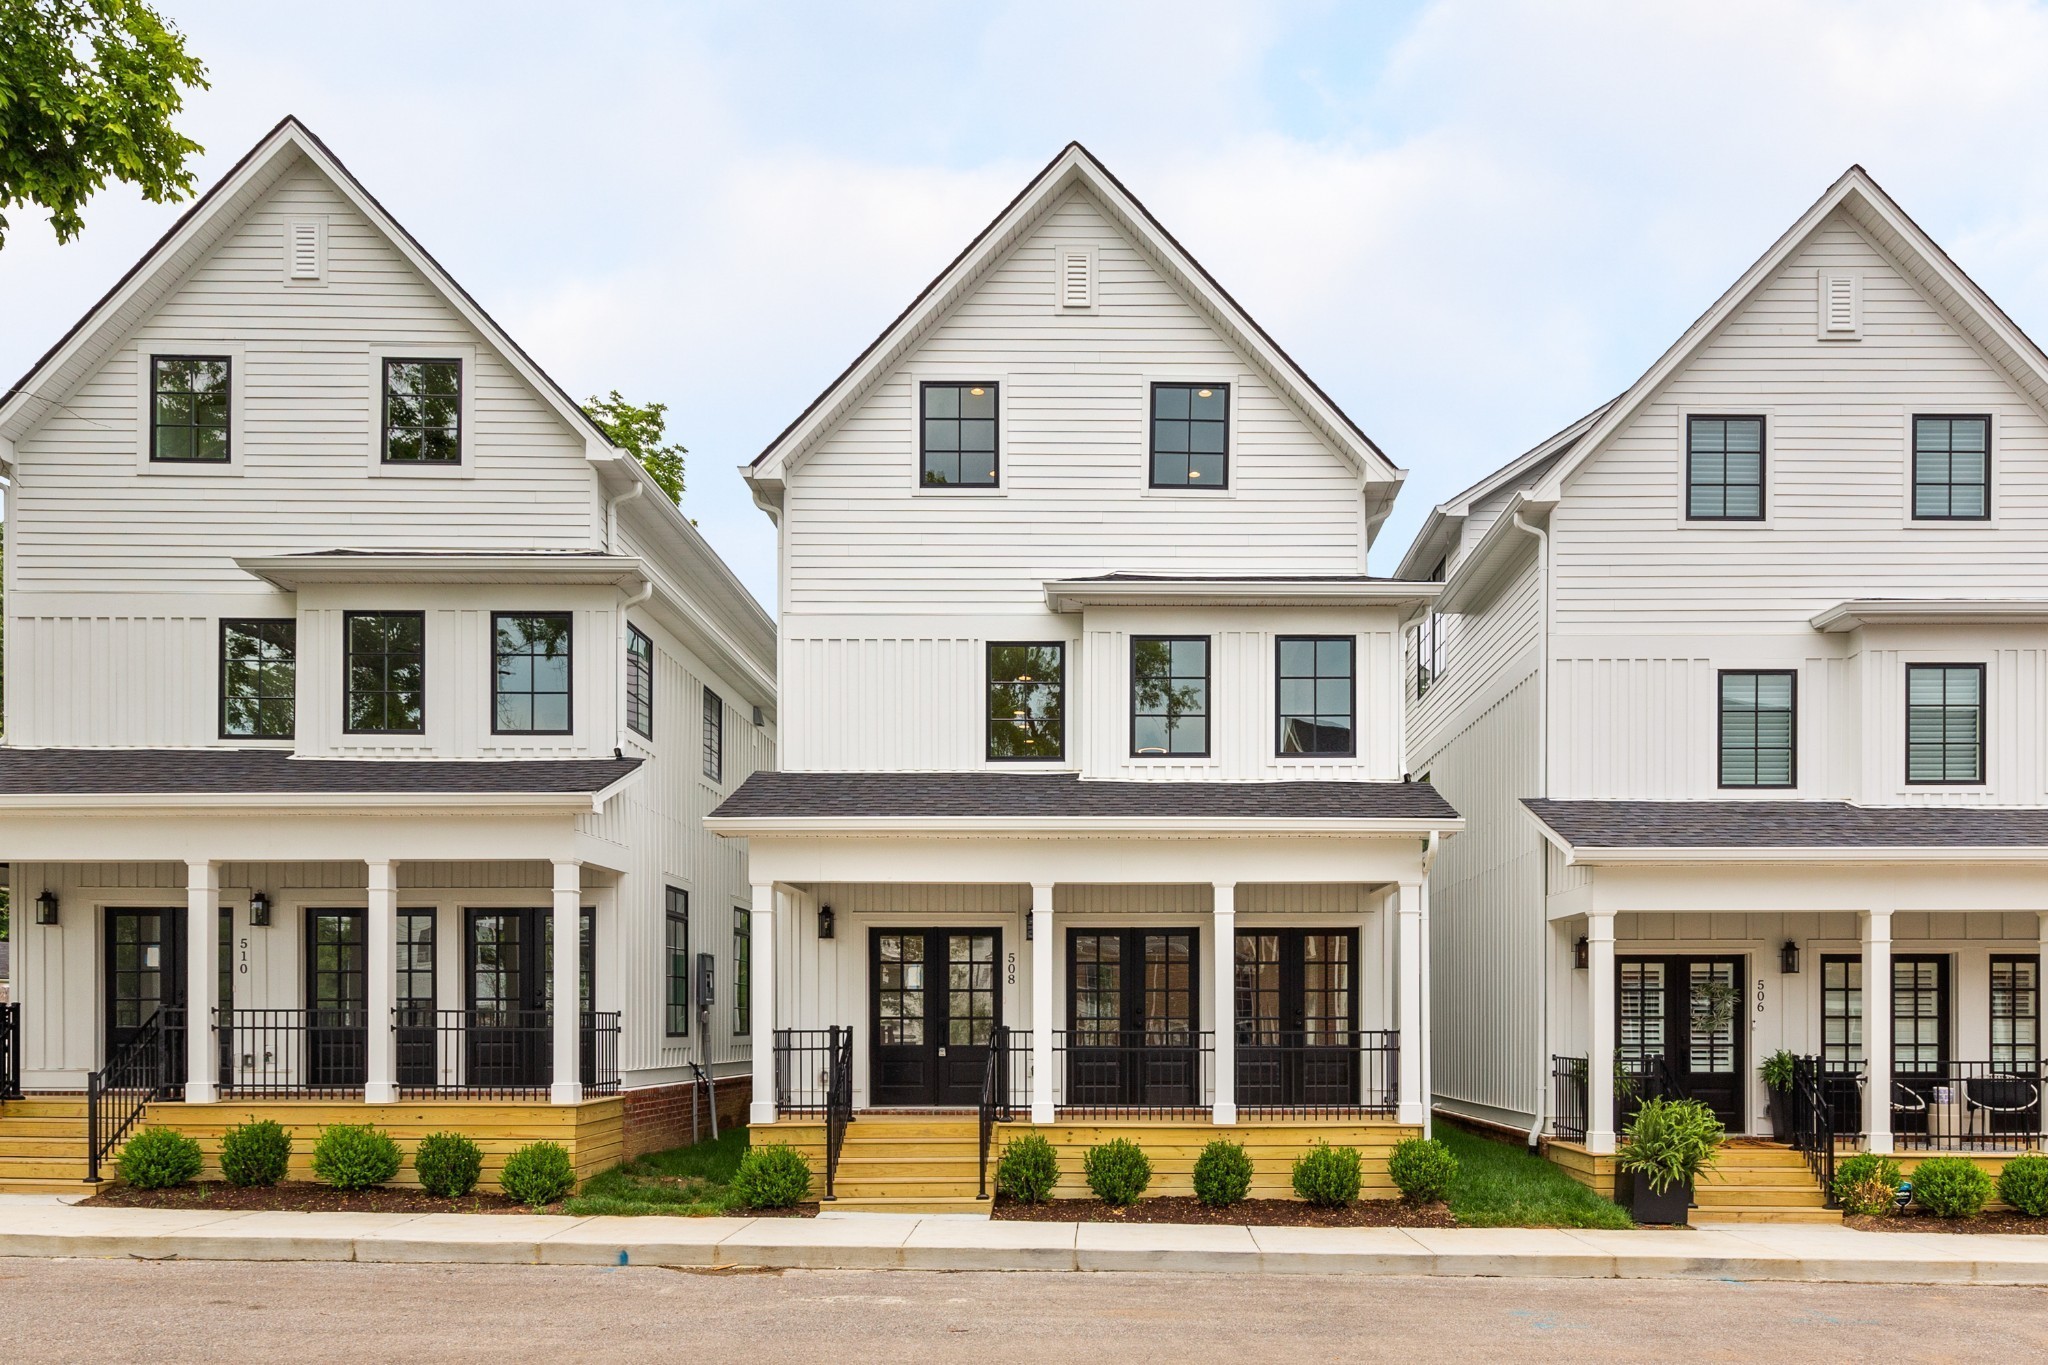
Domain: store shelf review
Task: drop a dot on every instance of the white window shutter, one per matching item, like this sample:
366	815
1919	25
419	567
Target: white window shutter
1841	306
1077	278
304	257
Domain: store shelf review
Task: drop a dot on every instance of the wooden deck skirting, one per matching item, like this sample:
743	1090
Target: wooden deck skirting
1598	1173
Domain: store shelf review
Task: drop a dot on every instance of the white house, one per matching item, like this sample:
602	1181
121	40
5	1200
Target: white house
1091	794
350	667
1740	681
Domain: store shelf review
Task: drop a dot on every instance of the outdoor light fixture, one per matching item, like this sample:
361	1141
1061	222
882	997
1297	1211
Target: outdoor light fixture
1788	958
259	910
1029	931
46	908
824	921
1581	954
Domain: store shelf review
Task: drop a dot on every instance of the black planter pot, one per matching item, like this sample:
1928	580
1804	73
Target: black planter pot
1780	1110
1668	1208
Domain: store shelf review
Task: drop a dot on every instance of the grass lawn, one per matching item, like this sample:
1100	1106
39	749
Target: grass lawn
681	1181
1502	1186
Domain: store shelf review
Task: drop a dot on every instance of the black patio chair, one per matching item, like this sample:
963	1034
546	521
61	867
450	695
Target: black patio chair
2010	1104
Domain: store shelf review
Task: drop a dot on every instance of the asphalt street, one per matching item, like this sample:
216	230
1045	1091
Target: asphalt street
234	1311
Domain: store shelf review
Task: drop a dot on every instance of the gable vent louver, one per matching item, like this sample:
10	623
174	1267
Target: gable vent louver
1841	306
302	252
1077	279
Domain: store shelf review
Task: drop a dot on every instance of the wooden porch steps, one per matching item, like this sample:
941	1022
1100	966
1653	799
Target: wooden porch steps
1753	1181
42	1146
910	1163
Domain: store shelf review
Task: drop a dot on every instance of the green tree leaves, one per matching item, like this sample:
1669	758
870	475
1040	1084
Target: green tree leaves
640	430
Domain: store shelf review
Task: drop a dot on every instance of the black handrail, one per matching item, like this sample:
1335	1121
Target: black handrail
1813	1123
1568	1098
117	1095
10	1052
995	1096
838	1099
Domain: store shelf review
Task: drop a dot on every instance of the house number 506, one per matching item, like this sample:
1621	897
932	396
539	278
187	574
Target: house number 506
1759	995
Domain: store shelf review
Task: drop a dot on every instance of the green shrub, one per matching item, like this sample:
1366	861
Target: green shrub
2024	1185
1951	1187
355	1156
538	1174
1327	1176
1669	1142
1028	1169
1423	1169
1868	1184
255	1153
1118	1171
449	1164
159	1159
776	1176
1223	1174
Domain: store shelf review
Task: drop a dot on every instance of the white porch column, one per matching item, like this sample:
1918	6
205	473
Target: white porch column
380	939
202	981
1224	1108
761	992
1041	1003
568	984
1877	1030
1600	1032
1408	992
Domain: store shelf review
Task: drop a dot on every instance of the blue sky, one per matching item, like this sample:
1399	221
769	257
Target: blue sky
1470	222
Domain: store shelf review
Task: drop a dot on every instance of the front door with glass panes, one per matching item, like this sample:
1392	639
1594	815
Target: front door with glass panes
1133	1022
337	998
937	999
415	999
1297	1018
511	993
146	972
1687	1011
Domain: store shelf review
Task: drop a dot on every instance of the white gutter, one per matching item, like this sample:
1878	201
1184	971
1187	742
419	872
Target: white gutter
1542	1031
291	803
1844	853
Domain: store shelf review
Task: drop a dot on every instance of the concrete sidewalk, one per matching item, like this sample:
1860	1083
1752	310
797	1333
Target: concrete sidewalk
47	1227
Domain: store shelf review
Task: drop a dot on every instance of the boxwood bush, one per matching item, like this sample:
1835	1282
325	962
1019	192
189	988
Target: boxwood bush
255	1153
159	1159
538	1174
776	1176
355	1156
1423	1169
1868	1184
1223	1174
449	1164
1951	1187
1327	1176
1118	1171
1028	1169
2024	1185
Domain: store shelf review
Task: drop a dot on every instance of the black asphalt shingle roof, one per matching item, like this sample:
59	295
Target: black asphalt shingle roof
211	772
1786	824
775	795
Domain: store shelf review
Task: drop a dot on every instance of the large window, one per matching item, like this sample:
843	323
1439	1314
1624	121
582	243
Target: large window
1190	435
1318	694
1951	468
1759	729
531	675
1841	1010
714	736
957	435
189	421
742	971
2016	1013
258	679
677	946
1169	696
415	995
1027	712
423	412
1919	1015
639	683
1944	723
386	673
1724	468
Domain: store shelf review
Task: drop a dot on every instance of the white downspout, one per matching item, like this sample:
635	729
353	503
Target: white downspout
1429	852
1542	1031
611	515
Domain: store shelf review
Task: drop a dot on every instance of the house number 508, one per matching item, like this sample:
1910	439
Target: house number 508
1010	969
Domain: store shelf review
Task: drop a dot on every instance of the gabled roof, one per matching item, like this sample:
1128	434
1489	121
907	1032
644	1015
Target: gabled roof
1898	236
1076	166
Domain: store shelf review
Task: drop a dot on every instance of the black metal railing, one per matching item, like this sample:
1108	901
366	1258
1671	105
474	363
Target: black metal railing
1950	1105
1637	1080
10	1052
141	1070
483	1054
322	1052
1568	1098
803	1069
997	1105
838	1099
1813	1121
1151	1073
1299	1074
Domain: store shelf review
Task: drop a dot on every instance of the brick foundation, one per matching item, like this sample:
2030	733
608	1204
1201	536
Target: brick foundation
658	1116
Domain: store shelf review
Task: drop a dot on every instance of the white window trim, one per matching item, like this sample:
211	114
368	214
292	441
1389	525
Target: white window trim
1709	525
1985	792
2000	416
1164	763
145	408
1060	251
319	222
1800	738
374	418
1233	450
957	374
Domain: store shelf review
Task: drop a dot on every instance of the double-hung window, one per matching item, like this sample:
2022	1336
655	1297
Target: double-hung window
385	673
189	409
531	674
1169	696
1190	436
258	679
742	971
1318	694
1759	729
1944	723
1952	468
423	412
1724	468
639	682
714	736
957	435
676	945
1027	709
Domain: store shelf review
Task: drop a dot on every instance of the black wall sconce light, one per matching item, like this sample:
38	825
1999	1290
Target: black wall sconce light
1582	953
1788	958
259	910
46	908
825	921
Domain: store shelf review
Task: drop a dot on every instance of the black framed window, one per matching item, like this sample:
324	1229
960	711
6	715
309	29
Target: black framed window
1190	435
1027	707
531	674
189	409
1841	1009
742	971
1944	723
639	682
1919	1014
385	672
1759	728
714	736
677	947
1170	696
1724	468
1952	468
1429	639
2016	1013
1318	694
416	964
957	435
258	679
422	412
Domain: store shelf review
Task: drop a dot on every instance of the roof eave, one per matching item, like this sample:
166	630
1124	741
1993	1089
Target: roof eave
293	572
1068	595
992	826
291	803
1594	855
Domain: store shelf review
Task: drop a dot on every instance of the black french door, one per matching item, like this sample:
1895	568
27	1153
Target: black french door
145	972
1133	1036
511	997
1297	1018
936	1001
337	998
415	998
1687	1010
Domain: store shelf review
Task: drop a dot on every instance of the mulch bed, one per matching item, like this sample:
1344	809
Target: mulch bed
301	1197
1266	1213
2006	1221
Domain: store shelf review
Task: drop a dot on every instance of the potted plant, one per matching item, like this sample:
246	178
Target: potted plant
1778	1069
1668	1143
